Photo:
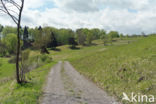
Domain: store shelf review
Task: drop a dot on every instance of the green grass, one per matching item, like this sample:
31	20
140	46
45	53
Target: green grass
115	68
6	69
12	93
118	68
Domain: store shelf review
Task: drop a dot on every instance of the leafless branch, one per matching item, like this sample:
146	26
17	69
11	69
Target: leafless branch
7	6
15	4
6	10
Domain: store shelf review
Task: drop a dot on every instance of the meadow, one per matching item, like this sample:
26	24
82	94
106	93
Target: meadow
128	65
122	68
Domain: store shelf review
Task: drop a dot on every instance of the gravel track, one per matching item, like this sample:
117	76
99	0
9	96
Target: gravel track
66	86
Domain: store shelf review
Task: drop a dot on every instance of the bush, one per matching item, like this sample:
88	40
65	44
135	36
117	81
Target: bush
12	59
3	49
39	60
25	55
45	58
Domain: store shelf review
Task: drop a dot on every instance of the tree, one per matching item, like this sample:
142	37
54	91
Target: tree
81	38
113	34
3	49
63	36
53	41
96	33
25	38
72	42
1	28
8	7
11	43
41	39
104	37
89	36
121	36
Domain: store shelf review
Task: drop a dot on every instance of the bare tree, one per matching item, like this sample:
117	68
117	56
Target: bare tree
14	9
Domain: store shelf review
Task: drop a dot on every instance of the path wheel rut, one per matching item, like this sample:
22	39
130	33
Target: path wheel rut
66	86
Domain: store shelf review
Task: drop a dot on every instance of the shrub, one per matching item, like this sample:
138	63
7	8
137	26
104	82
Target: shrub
39	60
3	49
12	59
25	55
45	58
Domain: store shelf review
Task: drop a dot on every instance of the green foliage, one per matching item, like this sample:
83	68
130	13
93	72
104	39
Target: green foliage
96	33
3	49
45	59
121	36
53	42
12	60
72	42
41	37
1	28
11	43
63	36
104	37
89	36
113	34
81	38
25	55
25	38
8	29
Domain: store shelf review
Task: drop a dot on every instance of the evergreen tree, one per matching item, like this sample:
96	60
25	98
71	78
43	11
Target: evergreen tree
72	42
53	42
25	38
1	28
39	28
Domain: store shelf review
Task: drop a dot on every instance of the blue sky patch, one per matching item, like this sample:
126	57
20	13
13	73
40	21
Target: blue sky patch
48	5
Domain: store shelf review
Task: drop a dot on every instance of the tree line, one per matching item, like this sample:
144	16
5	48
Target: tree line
50	37
41	38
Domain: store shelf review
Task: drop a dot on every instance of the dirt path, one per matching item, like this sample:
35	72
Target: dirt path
66	86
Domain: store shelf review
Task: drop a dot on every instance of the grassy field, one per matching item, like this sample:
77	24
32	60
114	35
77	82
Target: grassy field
126	66
121	68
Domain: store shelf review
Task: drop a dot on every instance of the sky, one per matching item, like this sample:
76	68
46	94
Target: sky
125	16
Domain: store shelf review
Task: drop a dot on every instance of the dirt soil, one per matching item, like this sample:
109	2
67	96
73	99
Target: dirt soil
66	86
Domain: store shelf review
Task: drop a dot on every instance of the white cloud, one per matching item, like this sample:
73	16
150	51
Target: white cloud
127	16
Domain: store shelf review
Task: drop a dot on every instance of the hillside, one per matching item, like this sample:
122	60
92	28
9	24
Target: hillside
122	68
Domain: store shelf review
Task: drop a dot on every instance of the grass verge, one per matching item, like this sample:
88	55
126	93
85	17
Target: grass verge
6	69
13	93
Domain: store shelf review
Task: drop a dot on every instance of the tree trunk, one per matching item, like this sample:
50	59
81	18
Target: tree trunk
18	46
18	54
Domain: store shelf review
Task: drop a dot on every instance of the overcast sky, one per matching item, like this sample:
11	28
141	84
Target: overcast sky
126	16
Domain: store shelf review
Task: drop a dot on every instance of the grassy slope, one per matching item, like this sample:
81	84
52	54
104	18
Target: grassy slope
118	69
12	93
